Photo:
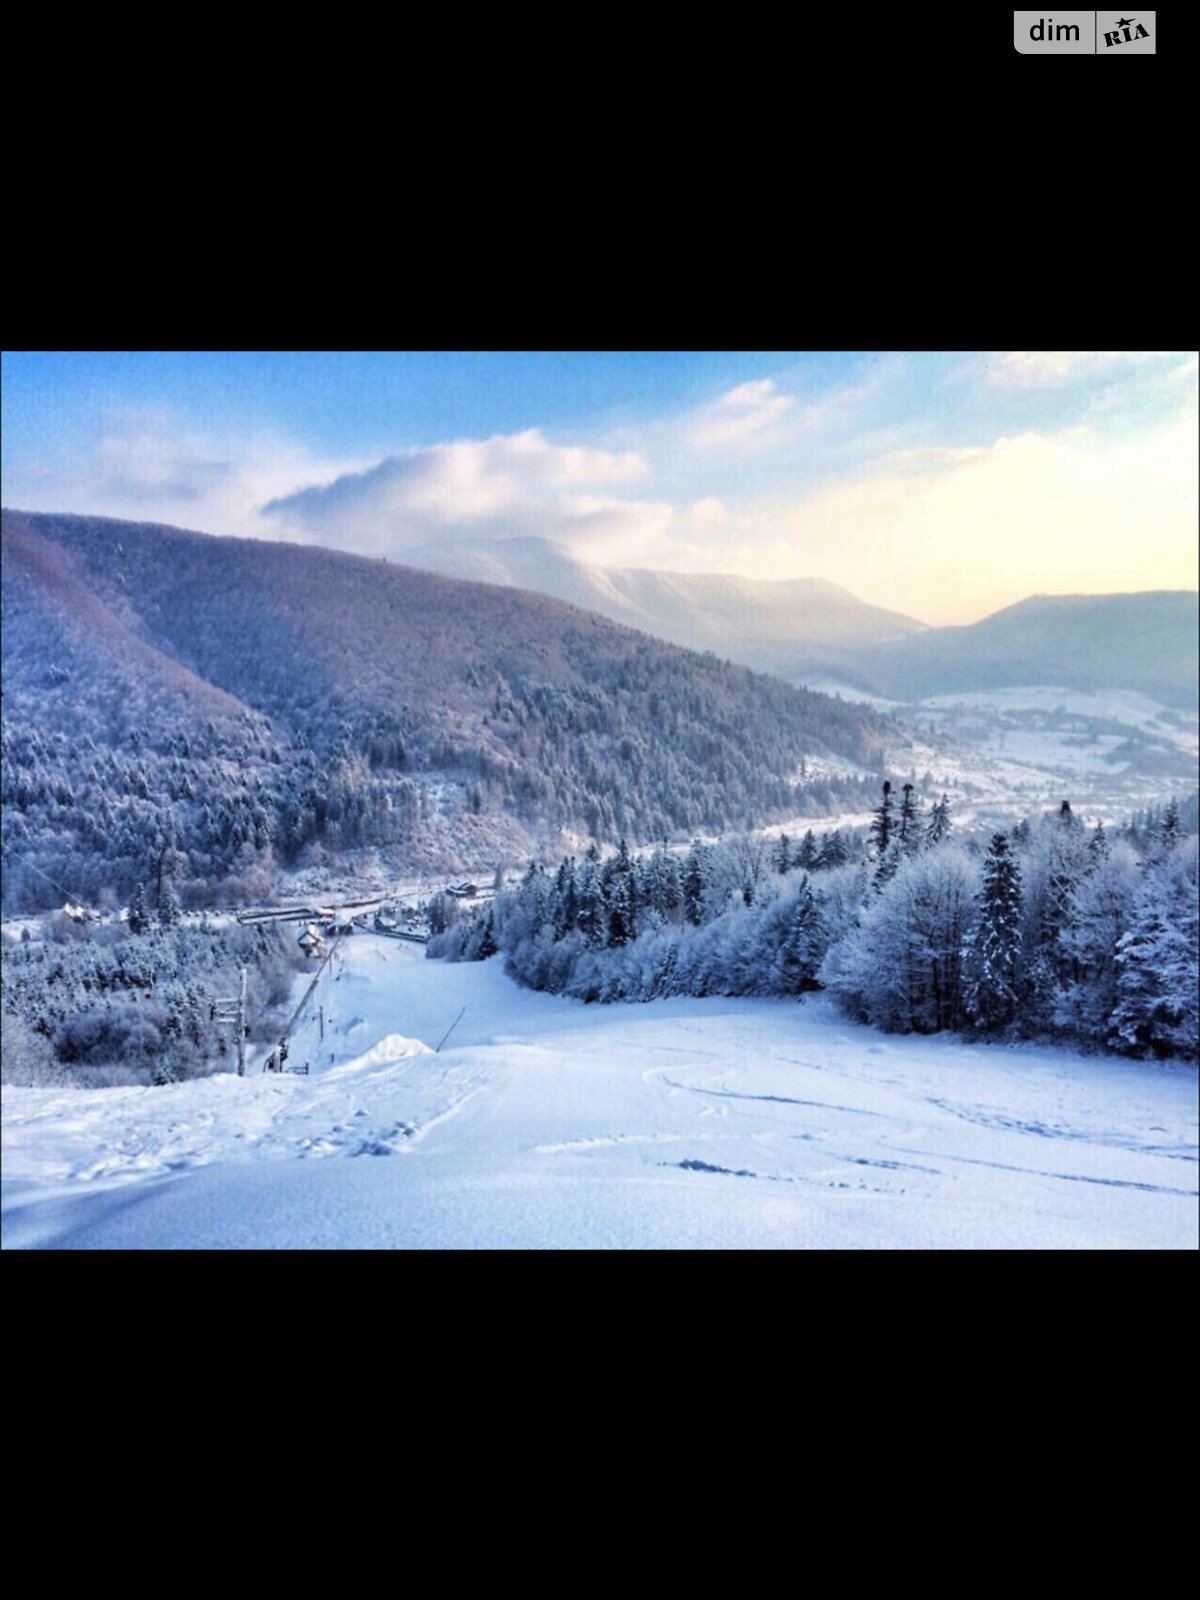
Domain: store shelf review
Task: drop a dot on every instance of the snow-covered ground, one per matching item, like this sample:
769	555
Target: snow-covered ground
547	1123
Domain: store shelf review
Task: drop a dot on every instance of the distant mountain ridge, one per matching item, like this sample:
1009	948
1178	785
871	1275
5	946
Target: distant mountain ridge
806	628
779	626
1148	642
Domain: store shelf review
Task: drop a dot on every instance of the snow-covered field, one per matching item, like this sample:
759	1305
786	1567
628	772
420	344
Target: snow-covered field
545	1123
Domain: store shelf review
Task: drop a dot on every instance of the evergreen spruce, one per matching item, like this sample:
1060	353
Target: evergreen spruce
833	851
910	822
694	882
807	852
940	825
1169	831
882	823
994	945
170	912
139	910
794	969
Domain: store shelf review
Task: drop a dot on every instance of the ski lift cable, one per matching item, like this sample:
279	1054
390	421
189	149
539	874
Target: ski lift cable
75	899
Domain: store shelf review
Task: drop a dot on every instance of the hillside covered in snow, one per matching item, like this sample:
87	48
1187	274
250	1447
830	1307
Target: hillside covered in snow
246	704
748	1123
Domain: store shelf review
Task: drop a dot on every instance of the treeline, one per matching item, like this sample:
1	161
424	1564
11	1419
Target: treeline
1049	931
107	1005
80	819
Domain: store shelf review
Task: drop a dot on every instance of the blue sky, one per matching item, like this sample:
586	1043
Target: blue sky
943	484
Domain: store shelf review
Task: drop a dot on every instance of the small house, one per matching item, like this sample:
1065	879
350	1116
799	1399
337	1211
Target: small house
463	889
339	925
310	941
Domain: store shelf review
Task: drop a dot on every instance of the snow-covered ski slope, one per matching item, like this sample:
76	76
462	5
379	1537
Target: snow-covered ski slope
545	1123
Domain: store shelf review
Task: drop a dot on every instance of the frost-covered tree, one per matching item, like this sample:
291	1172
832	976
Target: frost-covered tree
1170	831
695	884
139	910
1158	1009
800	929
169	910
589	900
883	820
1055	858
900	967
909	827
619	885
834	851
807	853
994	943
1099	915
939	827
663	886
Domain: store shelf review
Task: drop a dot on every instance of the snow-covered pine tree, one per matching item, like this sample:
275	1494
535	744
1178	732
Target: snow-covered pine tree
802	946
891	858
170	912
486	946
882	823
993	946
566	904
663	885
695	880
589	916
139	910
1056	858
620	893
1158	1005
909	827
940	825
782	855
1100	913
833	851
1169	830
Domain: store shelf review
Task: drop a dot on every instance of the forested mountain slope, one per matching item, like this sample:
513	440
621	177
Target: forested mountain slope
232	702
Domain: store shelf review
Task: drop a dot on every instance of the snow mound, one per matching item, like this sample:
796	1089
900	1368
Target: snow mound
391	1048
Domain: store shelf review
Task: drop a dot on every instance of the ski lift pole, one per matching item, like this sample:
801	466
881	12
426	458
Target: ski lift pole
241	1027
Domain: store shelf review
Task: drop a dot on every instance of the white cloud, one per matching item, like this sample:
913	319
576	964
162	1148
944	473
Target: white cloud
946	526
149	464
1053	369
516	478
950	535
747	415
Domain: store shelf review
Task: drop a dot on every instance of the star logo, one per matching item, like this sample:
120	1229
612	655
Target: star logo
1126	22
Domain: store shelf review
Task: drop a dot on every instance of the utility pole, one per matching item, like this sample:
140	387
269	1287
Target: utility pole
234	1011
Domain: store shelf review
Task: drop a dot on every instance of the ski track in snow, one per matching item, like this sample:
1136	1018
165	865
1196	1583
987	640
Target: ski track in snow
552	1124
